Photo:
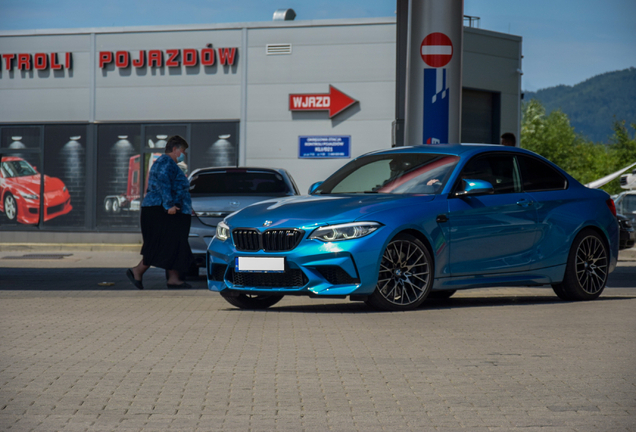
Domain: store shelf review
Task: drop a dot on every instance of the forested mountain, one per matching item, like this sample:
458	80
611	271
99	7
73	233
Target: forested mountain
595	104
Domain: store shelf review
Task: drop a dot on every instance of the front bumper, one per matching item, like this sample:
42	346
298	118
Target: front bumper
200	237
312	268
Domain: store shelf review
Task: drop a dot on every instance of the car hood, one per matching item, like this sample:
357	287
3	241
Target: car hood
317	210
31	184
212	209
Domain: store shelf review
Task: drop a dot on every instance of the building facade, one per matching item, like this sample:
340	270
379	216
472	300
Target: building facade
90	109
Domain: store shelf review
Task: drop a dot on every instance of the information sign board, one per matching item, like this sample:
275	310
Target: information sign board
324	147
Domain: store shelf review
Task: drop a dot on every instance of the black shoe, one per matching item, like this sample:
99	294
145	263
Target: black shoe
135	282
183	285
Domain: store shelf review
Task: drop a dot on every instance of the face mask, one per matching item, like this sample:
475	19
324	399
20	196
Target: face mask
181	157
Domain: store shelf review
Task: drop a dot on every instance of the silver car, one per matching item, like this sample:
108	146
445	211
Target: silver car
218	192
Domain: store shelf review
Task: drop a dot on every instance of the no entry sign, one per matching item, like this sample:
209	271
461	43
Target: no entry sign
436	50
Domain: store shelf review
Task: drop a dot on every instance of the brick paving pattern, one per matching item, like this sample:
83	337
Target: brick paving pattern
78	357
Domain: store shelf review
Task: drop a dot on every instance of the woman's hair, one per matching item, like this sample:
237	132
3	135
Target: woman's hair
174	142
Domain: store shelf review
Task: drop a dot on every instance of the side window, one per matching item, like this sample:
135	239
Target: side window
539	176
500	170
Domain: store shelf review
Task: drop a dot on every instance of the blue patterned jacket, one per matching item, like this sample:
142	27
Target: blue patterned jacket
168	186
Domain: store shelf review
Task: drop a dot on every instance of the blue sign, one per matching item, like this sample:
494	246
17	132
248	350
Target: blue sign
324	147
436	96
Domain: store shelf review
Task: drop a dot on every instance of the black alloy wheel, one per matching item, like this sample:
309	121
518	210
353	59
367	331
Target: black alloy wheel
587	268
406	275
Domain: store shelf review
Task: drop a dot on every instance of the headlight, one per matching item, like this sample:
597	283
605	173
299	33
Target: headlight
64	189
344	231
222	231
29	196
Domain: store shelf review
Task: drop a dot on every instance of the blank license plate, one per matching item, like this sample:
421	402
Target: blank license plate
260	264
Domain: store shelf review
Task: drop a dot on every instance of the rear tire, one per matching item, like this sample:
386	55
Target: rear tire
406	275
587	267
251	301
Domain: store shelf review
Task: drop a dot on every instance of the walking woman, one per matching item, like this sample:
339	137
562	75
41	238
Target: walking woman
165	218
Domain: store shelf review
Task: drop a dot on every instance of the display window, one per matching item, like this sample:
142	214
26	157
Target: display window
45	180
118	197
214	144
65	175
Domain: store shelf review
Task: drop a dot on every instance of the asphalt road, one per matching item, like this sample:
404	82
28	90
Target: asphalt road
79	356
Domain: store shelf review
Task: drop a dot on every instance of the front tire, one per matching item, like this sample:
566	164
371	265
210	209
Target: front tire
587	267
10	207
251	301
406	275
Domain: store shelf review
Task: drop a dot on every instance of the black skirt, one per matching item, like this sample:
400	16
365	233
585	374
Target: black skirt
166	239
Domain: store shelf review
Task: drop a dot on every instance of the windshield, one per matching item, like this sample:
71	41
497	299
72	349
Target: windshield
17	168
239	182
403	173
628	205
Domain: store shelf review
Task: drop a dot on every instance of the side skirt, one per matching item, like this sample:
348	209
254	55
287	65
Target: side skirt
545	276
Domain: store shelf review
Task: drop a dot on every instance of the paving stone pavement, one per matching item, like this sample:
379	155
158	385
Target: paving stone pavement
76	356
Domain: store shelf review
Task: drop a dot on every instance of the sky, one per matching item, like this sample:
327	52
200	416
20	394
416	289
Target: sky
564	41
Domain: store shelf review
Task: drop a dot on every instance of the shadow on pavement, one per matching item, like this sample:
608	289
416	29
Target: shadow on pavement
85	279
431	304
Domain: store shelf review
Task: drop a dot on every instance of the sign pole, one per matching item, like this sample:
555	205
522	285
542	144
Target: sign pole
434	72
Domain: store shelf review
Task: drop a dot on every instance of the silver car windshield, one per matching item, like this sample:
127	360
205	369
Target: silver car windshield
401	173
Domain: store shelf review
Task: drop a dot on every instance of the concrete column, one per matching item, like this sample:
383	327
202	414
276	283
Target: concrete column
434	72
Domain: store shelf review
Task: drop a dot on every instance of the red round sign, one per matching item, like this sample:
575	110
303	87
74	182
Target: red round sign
436	50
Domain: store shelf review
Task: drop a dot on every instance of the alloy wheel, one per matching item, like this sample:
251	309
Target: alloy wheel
10	207
404	273
591	265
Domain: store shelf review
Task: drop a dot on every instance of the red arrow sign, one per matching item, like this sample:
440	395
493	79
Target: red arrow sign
335	102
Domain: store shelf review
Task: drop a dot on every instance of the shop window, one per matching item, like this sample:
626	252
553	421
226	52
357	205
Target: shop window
118	197
65	180
214	144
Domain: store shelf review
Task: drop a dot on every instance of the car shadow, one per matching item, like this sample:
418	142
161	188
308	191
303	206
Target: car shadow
430	304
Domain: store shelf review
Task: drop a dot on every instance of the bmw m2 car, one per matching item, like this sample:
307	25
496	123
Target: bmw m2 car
20	193
394	227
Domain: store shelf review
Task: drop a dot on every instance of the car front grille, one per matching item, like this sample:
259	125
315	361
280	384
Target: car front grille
272	240
290	279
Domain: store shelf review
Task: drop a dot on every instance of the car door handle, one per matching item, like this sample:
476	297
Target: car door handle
441	218
524	203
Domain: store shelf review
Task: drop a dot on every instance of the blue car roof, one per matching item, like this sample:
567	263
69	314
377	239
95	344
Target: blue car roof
451	149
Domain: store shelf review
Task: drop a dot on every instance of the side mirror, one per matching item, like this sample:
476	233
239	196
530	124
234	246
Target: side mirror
314	186
476	187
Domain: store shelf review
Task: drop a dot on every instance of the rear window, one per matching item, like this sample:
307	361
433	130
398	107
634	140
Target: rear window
539	176
239	182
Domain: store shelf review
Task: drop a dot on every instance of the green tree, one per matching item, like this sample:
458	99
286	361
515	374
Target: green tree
554	138
623	151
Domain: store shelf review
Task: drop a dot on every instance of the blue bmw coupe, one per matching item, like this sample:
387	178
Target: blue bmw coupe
394	227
